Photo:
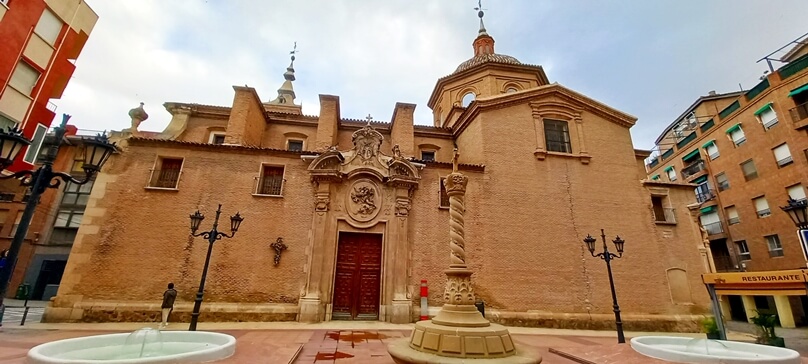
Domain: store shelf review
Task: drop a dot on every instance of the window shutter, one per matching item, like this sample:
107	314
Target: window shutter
732	213
24	78
712	149
749	168
782	152
737	135
710	218
36	143
48	27
796	192
761	204
768	117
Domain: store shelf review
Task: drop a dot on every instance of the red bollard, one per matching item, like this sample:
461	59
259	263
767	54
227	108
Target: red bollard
424	295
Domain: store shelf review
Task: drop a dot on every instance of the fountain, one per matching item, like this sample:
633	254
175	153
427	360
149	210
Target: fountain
145	345
688	350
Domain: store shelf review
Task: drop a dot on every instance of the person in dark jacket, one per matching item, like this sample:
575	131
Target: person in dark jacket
168	303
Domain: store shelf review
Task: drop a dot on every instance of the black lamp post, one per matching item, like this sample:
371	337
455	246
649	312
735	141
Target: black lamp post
608	256
96	152
212	235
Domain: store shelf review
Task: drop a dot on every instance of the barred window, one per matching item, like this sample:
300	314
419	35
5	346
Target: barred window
557	136
167	174
271	182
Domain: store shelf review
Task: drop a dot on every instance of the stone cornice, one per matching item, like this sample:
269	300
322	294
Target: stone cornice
576	101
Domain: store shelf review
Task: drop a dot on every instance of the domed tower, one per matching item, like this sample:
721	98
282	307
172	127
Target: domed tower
485	74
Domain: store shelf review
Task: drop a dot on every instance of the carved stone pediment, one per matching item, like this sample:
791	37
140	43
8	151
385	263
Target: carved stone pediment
365	158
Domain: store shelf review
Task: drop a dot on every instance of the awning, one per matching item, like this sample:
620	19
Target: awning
668	168
798	90
655	177
762	109
734	128
705	145
690	156
707	209
701	179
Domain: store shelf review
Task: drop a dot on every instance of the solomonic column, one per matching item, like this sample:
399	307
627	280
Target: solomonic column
459	331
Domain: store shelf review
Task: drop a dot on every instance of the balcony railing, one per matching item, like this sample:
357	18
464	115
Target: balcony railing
734	220
693	168
799	113
714	228
764	212
705	195
668	216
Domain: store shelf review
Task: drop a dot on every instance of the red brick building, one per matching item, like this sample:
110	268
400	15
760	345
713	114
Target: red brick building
41	40
39	43
745	154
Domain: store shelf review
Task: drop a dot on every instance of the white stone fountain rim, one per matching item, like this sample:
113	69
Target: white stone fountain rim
223	346
775	355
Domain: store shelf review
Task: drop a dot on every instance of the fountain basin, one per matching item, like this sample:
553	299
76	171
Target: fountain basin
162	347
689	350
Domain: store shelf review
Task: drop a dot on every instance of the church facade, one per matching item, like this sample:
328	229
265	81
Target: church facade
344	218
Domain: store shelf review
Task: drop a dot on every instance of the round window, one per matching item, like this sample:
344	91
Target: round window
511	90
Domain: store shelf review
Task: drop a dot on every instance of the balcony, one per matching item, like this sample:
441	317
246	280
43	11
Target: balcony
703	196
799	116
667	216
693	168
714	228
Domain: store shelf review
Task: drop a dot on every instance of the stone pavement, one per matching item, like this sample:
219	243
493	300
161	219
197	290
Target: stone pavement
340	342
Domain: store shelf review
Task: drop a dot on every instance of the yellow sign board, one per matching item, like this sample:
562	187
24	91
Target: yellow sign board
757	278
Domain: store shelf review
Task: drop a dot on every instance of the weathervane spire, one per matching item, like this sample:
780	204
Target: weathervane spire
480	15
292	52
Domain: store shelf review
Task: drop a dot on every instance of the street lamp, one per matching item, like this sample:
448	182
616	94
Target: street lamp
608	256
797	212
96	152
212	235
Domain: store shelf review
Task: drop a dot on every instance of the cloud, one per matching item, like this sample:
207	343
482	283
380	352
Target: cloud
650	59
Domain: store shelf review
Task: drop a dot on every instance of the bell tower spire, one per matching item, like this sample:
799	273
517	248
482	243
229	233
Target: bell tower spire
286	94
484	43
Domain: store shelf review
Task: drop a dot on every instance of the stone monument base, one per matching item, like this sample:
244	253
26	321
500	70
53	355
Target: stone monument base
433	343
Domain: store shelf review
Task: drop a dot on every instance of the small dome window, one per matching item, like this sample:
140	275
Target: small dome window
468	98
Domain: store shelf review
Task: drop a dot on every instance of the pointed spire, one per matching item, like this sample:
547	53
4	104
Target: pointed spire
484	43
286	94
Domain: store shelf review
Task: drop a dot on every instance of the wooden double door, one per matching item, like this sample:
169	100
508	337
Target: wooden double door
357	282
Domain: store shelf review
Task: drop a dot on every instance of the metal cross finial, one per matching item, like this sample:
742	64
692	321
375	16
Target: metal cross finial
369	118
479	8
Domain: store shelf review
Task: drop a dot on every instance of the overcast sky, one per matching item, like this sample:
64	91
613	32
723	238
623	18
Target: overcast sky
651	59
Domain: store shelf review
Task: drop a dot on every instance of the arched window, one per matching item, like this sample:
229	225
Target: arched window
510	90
468	98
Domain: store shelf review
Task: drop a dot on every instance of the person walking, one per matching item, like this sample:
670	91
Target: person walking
168	303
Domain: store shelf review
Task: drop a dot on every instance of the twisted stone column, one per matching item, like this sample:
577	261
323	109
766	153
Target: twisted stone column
456	189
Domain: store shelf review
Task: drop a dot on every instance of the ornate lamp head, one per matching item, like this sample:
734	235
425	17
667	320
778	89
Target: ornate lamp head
796	210
96	152
590	243
196	219
11	143
235	222
618	244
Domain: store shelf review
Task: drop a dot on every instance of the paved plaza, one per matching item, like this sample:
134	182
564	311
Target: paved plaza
344	342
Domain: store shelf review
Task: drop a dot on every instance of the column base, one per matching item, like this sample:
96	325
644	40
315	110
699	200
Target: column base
311	310
401	312
433	343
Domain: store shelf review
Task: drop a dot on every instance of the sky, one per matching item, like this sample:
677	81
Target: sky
650	59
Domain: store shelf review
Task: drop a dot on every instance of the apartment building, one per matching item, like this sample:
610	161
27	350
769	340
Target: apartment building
41	40
745	154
